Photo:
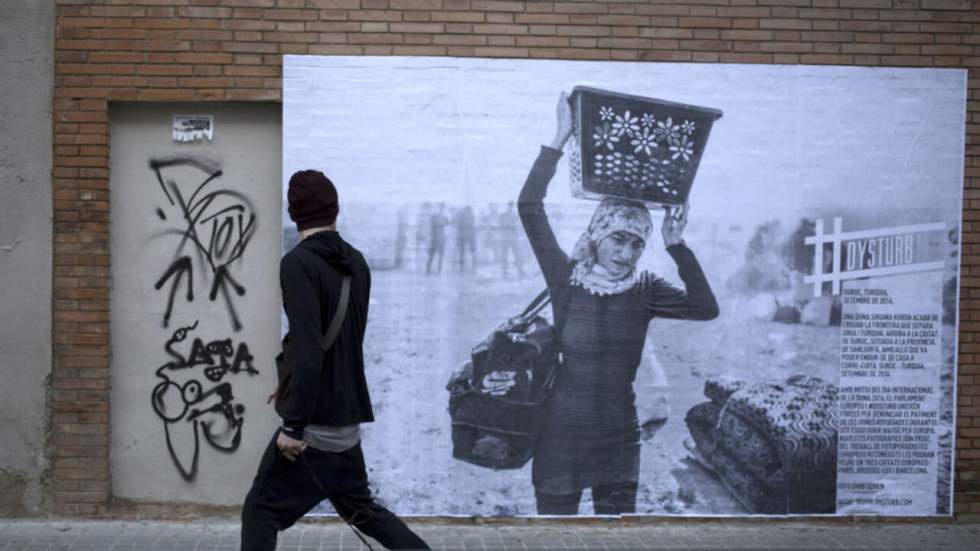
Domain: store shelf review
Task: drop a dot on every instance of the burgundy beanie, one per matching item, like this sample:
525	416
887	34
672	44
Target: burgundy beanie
312	200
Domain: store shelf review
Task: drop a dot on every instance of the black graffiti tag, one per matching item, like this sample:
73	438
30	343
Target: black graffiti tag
191	406
217	223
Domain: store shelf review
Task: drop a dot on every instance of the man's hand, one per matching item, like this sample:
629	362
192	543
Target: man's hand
290	447
272	396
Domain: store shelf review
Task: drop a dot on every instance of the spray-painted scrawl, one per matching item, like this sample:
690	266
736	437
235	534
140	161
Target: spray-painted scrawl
193	398
216	223
212	228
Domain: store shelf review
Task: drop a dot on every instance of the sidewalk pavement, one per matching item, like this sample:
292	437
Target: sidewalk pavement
659	534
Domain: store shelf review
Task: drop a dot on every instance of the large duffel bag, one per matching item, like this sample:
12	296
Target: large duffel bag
498	428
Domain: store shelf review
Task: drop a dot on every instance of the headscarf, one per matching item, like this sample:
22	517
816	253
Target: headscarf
612	215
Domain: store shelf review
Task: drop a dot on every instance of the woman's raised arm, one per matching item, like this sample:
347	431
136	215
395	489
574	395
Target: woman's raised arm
696	301
530	204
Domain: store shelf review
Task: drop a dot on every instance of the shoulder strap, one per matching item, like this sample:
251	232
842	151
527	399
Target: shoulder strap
536	305
338	317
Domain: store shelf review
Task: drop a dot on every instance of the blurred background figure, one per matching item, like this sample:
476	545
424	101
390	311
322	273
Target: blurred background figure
401	237
437	238
421	235
510	240
464	226
488	229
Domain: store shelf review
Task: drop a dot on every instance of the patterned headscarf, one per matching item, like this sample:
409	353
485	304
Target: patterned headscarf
612	215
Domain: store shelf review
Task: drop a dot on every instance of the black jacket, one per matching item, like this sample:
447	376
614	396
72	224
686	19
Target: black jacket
331	386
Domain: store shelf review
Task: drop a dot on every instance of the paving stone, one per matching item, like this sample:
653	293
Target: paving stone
318	535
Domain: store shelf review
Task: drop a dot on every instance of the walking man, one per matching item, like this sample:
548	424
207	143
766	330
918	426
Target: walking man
316	455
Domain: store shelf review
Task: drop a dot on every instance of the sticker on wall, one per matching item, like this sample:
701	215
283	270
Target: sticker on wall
193	128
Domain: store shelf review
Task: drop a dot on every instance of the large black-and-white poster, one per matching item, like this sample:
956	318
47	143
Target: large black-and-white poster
752	274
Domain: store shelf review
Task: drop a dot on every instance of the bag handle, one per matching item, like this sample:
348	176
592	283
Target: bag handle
338	317
538	304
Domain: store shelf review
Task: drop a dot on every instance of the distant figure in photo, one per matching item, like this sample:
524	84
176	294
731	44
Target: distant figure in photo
437	238
464	228
489	231
421	236
510	241
401	238
316	454
603	305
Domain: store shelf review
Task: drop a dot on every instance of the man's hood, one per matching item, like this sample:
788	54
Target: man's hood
329	246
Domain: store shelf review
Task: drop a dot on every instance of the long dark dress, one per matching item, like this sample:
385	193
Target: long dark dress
590	434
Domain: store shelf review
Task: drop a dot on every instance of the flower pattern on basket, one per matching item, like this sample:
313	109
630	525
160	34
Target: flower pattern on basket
644	141
625	124
605	136
681	148
640	151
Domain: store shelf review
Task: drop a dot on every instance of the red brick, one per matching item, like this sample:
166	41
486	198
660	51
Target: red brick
335	49
374	38
428	28
581	7
710	22
420	50
216	13
624	43
867	48
569	30
415	4
666	55
505	41
496	5
542	18
382	15
250	47
746	58
500	29
254	95
505	18
334	26
459	40
500	52
334	4
785	24
583	42
534	41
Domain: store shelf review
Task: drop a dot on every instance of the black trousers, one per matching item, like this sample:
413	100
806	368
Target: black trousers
284	491
614	499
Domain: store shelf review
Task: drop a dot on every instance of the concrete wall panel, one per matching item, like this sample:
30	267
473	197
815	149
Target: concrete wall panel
26	79
195	301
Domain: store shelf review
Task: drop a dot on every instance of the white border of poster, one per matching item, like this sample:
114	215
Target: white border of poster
825	216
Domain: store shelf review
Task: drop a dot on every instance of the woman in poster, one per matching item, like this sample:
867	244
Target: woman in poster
590	435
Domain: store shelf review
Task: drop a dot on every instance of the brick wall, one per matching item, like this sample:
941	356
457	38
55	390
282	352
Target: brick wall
202	50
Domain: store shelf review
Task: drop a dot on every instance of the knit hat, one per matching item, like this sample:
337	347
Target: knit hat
312	200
